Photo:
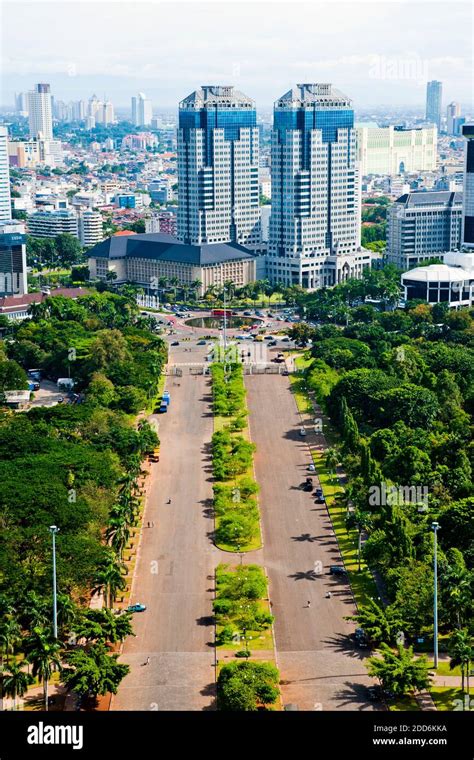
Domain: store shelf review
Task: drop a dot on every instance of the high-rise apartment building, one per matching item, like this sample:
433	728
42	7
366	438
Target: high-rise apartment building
21	103
314	235
142	110
40	112
105	113
90	227
5	199
468	202
395	150
453	112
423	226
218	158
434	98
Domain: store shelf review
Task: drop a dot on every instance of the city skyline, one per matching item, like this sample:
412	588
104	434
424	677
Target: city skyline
369	62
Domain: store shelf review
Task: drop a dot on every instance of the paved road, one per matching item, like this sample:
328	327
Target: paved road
176	562
319	666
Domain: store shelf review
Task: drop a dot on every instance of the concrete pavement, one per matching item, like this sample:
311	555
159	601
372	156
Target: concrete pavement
174	575
319	666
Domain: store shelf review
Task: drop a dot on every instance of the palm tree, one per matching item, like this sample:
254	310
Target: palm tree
332	460
15	681
196	285
106	625
162	283
361	520
10	635
68	612
174	282
118	534
110	579
462	652
43	653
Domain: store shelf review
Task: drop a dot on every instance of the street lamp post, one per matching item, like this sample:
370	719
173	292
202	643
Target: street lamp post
435	527
54	529
225	322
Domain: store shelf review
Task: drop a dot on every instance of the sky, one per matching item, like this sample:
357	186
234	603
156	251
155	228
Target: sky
378	53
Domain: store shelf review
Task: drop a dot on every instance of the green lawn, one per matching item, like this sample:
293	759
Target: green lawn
407	703
363	585
256	542
449	699
443	669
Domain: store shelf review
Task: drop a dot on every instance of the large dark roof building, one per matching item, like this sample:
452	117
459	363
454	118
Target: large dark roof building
147	258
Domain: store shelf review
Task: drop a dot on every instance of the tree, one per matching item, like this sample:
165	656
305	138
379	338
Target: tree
399	671
101	390
15	681
332	460
68	248
241	686
93	672
110	579
361	520
381	624
462	653
10	635
43	653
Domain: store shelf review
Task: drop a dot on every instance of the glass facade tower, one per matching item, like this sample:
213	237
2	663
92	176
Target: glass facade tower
434	96
218	157
314	237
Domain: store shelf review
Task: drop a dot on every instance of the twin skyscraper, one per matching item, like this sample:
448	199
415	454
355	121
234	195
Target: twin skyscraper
314	234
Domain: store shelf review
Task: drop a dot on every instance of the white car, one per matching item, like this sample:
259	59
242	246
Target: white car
302	432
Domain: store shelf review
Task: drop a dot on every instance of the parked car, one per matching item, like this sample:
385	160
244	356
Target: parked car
312	468
319	496
337	570
360	638
302	432
272	342
136	607
162	408
285	372
175	343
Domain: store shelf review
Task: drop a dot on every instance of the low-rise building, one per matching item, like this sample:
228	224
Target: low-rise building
49	224
451	282
146	258
17	307
422	226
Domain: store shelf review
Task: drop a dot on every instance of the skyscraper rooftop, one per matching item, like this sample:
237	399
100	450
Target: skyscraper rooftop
225	96
321	95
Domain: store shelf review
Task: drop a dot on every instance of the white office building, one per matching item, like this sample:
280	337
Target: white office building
314	235
142	110
422	226
395	150
40	113
218	159
5	199
49	224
